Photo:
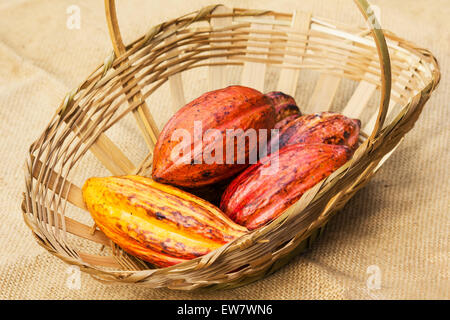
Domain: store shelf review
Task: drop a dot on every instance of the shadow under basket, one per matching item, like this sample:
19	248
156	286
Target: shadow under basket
217	40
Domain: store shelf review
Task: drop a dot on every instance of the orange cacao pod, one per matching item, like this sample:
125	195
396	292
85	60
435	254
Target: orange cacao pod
157	223
256	197
204	122
326	127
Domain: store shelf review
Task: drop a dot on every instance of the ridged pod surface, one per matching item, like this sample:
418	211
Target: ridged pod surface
282	123
285	105
325	127
259	195
157	223
195	161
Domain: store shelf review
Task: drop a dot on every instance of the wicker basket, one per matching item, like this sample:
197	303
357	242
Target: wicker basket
217	38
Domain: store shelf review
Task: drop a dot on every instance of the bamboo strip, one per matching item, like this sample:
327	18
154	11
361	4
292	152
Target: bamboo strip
73	192
111	156
324	92
105	150
103	261
217	74
254	73
288	80
175	80
359	99
81	230
407	74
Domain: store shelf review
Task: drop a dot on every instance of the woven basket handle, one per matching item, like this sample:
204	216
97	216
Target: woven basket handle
385	64
113	27
366	10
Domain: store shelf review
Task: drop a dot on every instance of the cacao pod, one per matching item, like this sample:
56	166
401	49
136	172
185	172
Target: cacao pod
284	104
206	153
326	127
157	223
282	123
256	197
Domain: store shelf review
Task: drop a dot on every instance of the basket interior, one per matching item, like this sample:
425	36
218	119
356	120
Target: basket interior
323	64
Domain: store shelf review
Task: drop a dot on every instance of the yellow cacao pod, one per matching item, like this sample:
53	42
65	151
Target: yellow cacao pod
155	222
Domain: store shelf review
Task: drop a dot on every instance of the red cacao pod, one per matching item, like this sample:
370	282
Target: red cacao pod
326	127
203	158
256	197
285	105
282	123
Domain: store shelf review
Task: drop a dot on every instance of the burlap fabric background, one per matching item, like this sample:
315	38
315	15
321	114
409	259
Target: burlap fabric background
398	223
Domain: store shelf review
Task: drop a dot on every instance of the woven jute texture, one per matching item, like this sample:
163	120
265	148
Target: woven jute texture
389	242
